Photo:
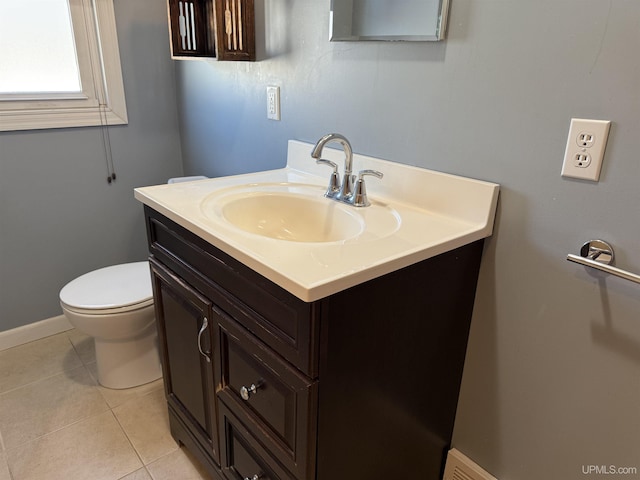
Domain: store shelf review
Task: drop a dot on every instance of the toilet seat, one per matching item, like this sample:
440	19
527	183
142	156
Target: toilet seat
110	290
108	311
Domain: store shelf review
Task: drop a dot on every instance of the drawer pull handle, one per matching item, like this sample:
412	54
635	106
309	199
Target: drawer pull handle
255	477
246	392
205	324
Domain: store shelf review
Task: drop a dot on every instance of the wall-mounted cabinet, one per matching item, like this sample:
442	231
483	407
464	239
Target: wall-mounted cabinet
222	29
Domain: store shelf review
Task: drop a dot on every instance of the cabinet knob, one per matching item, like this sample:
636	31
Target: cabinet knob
246	392
255	477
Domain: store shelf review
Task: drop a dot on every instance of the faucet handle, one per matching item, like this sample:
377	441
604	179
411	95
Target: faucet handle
360	193
375	173
334	165
334	180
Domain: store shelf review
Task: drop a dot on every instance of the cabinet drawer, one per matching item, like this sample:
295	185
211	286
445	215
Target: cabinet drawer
243	457
278	318
274	401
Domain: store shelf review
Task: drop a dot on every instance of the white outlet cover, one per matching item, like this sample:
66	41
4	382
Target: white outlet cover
586	144
273	103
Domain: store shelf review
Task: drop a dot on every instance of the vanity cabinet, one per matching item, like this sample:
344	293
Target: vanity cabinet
362	384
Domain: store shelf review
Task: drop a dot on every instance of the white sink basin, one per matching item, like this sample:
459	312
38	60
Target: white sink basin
296	213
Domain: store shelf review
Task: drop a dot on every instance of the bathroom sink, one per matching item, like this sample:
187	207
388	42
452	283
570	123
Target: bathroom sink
278	222
295	213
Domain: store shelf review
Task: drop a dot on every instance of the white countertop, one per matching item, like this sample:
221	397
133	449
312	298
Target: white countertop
436	213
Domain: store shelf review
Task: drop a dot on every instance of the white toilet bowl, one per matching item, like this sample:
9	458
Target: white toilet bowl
114	305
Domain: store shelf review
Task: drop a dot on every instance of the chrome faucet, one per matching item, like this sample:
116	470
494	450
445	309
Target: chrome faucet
345	192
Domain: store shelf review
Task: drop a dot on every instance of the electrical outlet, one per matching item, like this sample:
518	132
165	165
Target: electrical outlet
273	103
585	148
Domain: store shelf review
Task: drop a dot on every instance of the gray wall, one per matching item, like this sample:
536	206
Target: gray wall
58	216
551	381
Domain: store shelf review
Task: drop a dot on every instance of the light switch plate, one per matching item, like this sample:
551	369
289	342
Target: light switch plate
585	148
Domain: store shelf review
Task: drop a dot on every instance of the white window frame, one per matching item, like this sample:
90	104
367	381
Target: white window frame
102	101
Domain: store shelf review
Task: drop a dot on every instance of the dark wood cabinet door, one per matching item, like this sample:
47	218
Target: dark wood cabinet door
188	346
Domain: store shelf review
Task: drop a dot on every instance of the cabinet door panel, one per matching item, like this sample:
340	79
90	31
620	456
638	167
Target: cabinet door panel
187	344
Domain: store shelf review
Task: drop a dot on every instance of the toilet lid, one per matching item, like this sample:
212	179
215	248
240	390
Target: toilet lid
110	287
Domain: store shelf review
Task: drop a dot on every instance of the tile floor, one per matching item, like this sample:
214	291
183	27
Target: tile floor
57	423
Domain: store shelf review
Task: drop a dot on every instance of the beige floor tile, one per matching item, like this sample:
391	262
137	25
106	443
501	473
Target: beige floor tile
83	345
177	465
4	468
146	423
95	449
141	474
36	360
117	397
42	407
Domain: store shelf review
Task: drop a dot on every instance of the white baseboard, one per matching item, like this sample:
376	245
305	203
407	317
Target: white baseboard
34	331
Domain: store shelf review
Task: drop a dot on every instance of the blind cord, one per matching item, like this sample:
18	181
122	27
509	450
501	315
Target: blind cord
106	143
89	16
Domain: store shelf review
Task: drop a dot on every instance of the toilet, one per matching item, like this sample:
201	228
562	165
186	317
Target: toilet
114	305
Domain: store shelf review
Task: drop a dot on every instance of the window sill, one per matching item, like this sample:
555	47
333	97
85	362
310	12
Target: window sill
60	118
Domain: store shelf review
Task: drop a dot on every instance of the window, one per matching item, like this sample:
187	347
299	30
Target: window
59	65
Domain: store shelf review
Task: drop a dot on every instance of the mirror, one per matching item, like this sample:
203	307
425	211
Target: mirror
388	20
